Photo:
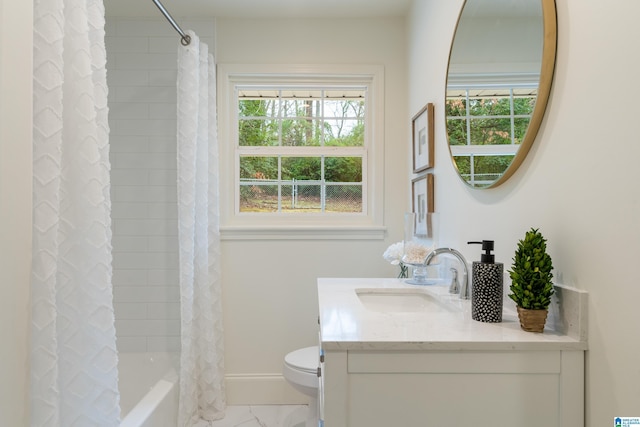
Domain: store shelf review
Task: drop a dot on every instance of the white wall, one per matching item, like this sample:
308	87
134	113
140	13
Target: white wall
270	301
578	183
15	207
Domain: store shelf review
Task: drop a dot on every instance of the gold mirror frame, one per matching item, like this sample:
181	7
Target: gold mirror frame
544	89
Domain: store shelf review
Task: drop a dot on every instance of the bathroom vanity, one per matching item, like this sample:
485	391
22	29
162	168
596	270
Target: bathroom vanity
399	354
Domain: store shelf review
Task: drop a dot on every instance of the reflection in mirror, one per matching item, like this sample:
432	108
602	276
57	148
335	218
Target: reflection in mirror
498	83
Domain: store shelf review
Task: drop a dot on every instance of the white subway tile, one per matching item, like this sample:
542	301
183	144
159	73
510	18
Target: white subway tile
131	260
162	244
129	244
163	144
131	344
129	177
128	310
129	210
163	310
124	278
165	44
146	227
151	94
143	127
128	144
164	344
147	27
144	161
117	78
127	44
163	210
168	178
128	111
152	260
147	328
144	61
164	277
166	78
204	28
146	294
163	111
144	194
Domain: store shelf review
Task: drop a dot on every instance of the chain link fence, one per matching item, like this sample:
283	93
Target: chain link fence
300	196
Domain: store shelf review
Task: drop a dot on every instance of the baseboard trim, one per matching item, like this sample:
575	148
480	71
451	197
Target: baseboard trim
261	390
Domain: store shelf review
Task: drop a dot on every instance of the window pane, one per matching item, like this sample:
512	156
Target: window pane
301	198
344	133
301	108
343	198
338	108
490	168
258	107
300	133
258	168
343	169
457	131
301	168
257	197
490	131
490	107
456	107
259	132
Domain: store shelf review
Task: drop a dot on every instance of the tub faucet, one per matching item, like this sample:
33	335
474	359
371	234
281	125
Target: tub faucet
464	287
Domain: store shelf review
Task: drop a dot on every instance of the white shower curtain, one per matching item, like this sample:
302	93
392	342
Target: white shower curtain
202	393
74	373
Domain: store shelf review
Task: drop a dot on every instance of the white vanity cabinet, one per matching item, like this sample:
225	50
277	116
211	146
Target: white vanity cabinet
453	388
418	369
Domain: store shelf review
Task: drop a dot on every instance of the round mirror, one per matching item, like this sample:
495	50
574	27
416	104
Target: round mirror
498	83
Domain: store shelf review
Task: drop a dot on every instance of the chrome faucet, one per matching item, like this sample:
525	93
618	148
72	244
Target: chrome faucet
464	288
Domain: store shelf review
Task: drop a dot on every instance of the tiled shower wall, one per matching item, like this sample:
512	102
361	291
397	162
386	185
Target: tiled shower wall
141	75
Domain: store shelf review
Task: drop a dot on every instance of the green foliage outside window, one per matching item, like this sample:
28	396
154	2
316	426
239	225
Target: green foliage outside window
487	121
276	122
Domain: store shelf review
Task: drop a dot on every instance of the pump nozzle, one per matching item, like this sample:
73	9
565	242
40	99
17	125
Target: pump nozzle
487	247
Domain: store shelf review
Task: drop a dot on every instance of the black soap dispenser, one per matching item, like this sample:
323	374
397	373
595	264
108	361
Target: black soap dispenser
486	288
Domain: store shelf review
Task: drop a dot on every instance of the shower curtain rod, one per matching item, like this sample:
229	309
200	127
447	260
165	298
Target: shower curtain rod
185	38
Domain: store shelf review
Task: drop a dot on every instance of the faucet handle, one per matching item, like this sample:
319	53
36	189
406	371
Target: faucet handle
454	287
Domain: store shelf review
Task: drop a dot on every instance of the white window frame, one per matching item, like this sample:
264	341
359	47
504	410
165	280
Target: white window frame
242	226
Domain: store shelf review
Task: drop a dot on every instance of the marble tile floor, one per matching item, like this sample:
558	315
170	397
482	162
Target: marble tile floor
260	416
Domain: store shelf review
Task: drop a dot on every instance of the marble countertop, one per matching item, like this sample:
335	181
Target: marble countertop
346	324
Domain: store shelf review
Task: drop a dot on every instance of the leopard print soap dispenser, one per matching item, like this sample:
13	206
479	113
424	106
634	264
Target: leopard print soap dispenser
486	287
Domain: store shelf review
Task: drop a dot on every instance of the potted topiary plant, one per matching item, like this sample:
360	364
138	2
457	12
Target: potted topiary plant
531	285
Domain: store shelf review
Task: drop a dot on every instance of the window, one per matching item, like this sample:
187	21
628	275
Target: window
301	149
486	122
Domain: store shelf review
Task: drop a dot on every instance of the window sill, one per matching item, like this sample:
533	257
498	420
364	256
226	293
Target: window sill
302	233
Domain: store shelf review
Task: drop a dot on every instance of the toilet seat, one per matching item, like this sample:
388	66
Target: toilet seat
304	359
301	370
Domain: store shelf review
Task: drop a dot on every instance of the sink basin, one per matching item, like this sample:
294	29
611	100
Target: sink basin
402	300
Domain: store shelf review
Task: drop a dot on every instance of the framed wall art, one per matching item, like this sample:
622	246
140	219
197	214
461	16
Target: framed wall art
423	204
422	134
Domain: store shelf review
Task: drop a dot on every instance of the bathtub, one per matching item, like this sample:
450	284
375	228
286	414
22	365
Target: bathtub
148	389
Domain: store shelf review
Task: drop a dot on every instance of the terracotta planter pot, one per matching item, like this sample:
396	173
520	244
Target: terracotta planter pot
532	320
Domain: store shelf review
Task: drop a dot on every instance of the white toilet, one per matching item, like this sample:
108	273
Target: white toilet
301	370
